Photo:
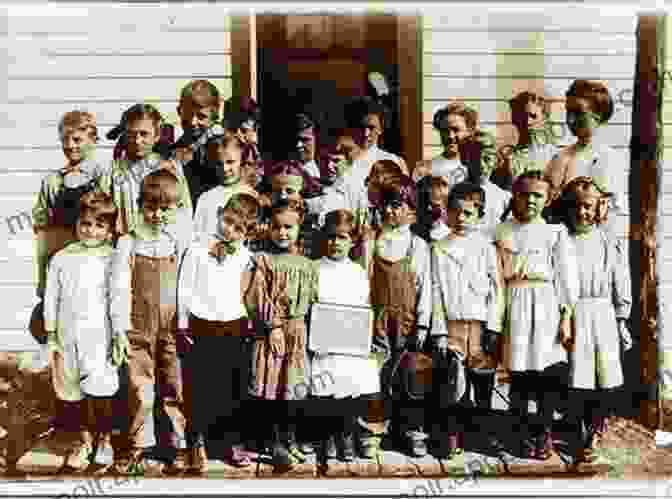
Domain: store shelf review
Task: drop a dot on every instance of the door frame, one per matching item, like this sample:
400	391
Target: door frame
251	33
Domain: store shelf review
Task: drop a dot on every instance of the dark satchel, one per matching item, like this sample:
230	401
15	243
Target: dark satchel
36	324
411	376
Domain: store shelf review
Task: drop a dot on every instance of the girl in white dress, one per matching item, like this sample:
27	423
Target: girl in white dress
601	314
539	271
78	324
342	377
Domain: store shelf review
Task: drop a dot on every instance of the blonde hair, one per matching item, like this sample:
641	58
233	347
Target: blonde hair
78	121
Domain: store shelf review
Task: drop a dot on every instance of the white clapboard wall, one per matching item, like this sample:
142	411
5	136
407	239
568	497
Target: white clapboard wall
486	56
102	58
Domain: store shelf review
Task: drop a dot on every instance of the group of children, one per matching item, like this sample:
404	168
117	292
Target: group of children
186	291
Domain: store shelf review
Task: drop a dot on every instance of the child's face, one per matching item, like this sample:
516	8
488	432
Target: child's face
228	161
453	132
247	132
286	187
89	228
488	162
529	201
395	213
230	227
530	117
477	200
339	243
196	114
437	202
77	145
142	136
306	144
373	129
347	148
584	212
284	229
158	213
581	119
459	217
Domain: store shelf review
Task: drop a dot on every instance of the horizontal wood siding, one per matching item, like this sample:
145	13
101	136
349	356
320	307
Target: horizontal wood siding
102	58
485	56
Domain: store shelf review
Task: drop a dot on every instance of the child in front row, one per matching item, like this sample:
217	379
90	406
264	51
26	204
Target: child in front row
146	266
344	282
600	315
56	205
467	304
77	314
284	284
398	266
212	316
539	270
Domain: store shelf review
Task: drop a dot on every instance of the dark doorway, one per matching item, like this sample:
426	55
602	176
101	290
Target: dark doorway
316	64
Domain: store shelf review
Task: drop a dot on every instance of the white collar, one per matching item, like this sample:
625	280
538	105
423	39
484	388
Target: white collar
325	260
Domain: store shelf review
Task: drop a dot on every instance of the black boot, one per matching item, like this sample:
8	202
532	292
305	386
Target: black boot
329	449
484	385
347	441
280	452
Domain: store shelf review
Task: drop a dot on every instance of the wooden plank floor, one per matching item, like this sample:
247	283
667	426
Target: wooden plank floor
390	464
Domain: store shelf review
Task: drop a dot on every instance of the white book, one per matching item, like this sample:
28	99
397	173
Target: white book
341	329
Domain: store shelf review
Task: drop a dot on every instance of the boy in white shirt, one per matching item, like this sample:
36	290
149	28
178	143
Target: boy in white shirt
212	328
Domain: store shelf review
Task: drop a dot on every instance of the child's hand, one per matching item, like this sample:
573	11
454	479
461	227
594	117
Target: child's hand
624	333
441	344
420	336
183	341
120	348
566	337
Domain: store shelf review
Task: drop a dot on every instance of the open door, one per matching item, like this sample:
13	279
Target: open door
316	63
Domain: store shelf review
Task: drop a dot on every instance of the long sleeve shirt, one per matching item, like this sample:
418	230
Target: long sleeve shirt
466	282
206	287
542	252
173	240
604	270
